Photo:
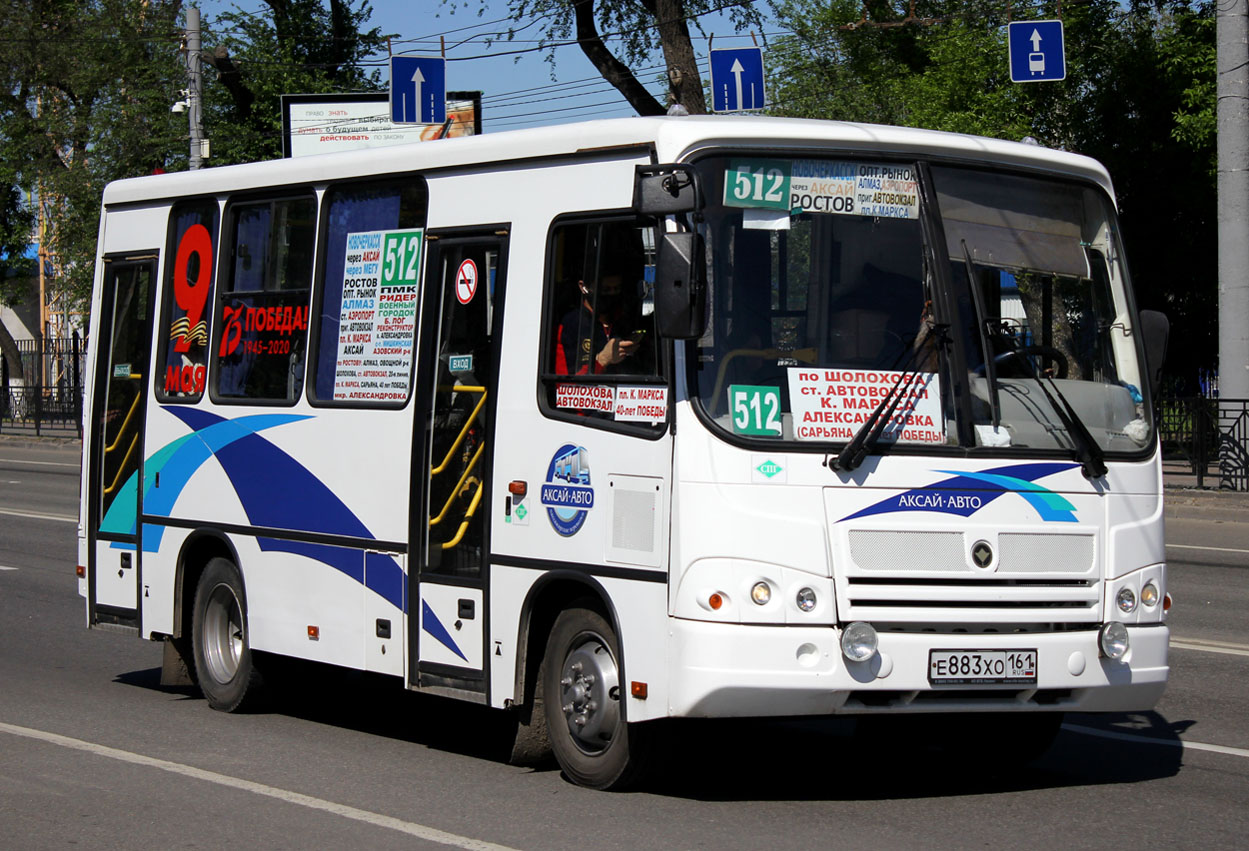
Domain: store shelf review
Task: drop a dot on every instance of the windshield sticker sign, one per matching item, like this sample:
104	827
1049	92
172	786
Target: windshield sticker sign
824	186
832	404
967	492
567	493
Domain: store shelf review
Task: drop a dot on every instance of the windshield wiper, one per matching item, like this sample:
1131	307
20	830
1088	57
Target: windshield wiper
864	441
982	323
1088	452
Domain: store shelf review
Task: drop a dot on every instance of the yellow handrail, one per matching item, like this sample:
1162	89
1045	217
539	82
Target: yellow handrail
472	508
121	432
456	490
124	462
463	431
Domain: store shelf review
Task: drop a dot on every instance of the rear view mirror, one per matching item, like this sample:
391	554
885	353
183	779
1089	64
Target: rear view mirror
680	287
1155	331
663	190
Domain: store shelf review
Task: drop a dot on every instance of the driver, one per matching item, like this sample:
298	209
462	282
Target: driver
586	341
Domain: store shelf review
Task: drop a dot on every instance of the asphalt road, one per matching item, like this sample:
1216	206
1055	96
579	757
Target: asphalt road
93	751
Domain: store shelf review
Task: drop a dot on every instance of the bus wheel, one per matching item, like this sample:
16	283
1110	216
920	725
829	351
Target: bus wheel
223	657
581	685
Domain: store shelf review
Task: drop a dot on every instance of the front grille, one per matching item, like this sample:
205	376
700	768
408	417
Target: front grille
918	575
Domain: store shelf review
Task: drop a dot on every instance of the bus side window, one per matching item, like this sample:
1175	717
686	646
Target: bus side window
263	306
358	219
183	334
599	327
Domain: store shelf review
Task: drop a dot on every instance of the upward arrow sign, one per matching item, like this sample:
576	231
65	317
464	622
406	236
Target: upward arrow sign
1035	38
736	71
419	79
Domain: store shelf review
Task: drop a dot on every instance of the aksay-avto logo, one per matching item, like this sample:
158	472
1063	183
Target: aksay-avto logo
567	494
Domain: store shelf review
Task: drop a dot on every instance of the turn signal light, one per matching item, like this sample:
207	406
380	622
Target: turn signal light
314	633
715	601
1166	602
81	571
518	488
638	690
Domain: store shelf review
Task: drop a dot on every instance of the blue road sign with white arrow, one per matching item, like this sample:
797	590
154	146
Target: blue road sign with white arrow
736	79
418	89
1036	51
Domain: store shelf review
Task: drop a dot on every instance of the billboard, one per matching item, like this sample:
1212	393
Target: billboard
327	123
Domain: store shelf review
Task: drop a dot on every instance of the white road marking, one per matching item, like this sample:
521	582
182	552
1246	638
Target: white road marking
39	463
36	515
1210	646
2	567
420	831
1209	549
1154	740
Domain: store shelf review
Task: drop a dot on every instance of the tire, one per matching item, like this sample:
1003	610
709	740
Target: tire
224	665
584	719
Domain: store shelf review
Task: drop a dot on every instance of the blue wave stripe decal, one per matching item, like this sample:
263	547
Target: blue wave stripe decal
273	489
431	624
966	493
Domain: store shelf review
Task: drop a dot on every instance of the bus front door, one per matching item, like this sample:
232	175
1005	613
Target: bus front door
457	385
116	441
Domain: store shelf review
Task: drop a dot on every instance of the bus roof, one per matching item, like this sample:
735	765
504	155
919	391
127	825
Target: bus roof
673	139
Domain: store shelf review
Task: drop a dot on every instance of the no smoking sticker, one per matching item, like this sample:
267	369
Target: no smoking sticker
466	281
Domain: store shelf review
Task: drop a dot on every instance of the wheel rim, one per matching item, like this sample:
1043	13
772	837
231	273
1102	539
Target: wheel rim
590	694
223	633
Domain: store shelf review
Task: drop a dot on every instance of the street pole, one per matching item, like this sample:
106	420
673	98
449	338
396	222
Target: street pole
194	87
1232	35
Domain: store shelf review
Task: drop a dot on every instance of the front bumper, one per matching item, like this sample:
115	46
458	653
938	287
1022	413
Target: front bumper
731	670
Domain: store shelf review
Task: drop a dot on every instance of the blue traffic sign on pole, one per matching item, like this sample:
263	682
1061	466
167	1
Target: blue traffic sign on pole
737	79
418	89
1036	51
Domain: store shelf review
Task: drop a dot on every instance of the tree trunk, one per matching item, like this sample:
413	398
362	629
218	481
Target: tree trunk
683	76
8	347
613	70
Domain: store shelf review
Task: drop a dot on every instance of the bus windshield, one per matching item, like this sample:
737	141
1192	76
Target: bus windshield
1001	318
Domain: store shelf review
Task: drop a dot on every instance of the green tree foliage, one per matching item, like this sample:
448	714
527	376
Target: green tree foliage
1139	96
296	47
85	88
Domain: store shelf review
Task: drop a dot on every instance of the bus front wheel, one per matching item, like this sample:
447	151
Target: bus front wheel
223	658
582	690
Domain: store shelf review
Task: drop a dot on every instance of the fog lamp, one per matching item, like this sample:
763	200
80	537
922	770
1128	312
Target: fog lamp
806	599
1126	600
1150	595
1113	639
859	641
761	593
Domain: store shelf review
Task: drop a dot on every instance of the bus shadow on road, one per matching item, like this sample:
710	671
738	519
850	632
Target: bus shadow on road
752	759
892	758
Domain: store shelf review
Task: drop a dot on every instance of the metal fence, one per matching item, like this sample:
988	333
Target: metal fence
49	400
1211	436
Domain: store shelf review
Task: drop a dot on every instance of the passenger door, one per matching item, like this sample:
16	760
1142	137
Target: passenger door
116	450
457	386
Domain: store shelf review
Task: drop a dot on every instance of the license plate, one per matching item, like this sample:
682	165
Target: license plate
980	667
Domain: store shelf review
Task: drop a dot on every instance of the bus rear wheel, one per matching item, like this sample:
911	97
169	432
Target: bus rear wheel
581	684
224	666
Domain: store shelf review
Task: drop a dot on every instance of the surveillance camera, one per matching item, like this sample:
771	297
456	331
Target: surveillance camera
179	106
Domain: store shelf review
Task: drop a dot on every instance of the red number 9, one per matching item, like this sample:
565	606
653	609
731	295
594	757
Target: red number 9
192	296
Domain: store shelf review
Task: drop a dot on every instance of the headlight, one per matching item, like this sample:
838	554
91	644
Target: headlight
1126	600
761	593
1150	595
859	641
805	599
1113	639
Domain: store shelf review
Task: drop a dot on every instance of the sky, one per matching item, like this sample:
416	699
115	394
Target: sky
517	90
